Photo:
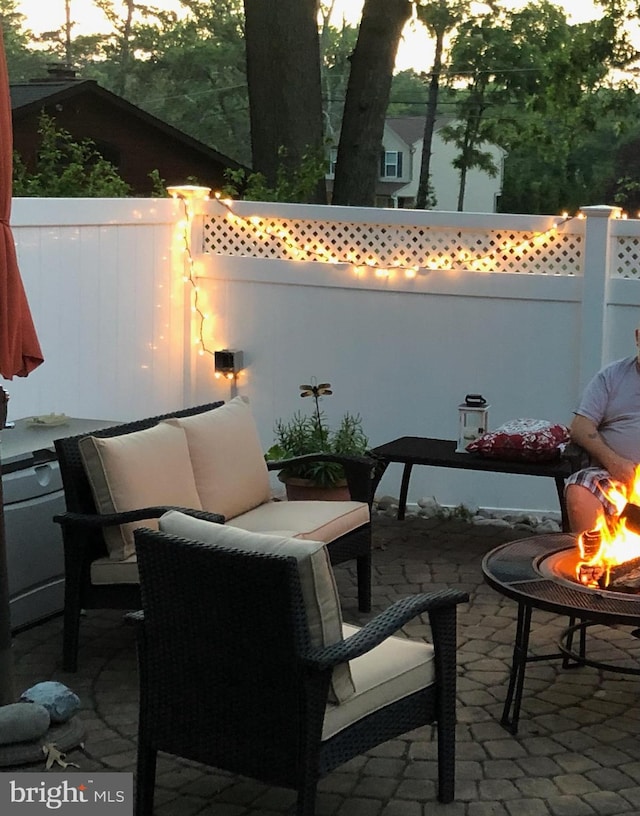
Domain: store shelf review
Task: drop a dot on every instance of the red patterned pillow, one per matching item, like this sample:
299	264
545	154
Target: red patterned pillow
528	440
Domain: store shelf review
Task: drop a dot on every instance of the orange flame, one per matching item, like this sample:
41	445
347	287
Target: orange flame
617	543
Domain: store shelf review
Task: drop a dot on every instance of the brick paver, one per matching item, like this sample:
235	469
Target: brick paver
577	752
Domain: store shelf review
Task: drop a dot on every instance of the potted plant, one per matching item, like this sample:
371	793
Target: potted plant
305	434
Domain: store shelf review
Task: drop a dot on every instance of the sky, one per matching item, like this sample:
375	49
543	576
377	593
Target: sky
46	15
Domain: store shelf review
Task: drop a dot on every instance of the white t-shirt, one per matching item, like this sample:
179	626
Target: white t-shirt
612	401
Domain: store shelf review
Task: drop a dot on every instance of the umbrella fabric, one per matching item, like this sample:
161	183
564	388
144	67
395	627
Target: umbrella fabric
19	347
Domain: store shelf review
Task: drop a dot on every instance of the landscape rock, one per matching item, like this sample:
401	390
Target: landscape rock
23	722
430	507
386	502
57	699
480	521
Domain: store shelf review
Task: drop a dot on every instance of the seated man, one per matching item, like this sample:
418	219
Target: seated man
607	426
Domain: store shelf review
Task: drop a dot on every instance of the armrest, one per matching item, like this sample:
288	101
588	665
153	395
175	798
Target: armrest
577	456
440	605
99	520
359	471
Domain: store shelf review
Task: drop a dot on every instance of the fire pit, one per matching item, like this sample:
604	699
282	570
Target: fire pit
542	572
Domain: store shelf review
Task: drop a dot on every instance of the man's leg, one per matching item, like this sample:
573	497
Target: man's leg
583	508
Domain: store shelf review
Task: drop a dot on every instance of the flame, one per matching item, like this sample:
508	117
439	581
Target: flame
615	543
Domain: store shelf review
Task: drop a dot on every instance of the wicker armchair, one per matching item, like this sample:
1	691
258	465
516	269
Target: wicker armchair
85	527
230	676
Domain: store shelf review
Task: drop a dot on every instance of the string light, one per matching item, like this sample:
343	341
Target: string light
313	252
188	193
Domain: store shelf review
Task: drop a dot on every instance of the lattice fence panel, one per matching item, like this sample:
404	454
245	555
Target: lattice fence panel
548	253
627	258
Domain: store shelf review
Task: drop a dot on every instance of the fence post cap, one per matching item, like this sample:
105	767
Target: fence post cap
601	211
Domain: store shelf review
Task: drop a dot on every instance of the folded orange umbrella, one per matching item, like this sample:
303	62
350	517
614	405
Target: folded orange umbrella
19	346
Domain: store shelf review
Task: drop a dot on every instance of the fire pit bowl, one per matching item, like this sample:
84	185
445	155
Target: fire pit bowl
537	573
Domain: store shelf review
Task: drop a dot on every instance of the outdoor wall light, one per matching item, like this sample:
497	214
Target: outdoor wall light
227	363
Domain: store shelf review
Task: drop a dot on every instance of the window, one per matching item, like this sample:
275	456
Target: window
391	164
333	157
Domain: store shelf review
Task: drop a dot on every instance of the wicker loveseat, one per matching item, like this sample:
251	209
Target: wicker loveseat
207	459
262	678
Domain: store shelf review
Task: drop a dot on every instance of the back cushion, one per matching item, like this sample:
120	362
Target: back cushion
316	579
141	469
228	463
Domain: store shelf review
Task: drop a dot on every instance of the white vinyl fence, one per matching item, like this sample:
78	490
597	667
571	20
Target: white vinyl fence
403	312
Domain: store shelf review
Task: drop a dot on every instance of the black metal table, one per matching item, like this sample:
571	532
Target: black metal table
424	450
514	570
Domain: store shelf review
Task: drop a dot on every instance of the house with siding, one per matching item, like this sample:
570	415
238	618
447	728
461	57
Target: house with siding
399	172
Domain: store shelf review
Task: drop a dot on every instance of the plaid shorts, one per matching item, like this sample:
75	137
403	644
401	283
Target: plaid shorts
598	480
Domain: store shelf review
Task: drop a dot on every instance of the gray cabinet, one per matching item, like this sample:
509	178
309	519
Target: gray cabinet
33	494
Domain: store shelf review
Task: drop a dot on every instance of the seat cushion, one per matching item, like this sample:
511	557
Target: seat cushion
314	520
317	581
228	463
141	469
395	669
105	571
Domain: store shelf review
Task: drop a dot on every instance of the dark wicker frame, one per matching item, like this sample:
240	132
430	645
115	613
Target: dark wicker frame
82	530
228	678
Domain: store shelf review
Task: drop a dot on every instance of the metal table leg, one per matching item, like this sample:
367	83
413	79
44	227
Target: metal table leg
511	710
566	527
404	489
521	656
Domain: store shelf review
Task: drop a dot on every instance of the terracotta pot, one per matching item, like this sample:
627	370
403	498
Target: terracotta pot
306	490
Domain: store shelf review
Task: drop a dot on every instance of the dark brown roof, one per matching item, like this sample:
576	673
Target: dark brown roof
27	97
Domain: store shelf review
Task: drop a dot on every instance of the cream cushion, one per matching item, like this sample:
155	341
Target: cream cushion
107	571
230	472
141	469
314	520
317	581
394	669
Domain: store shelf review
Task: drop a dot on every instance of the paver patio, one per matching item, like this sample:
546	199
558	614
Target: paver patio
577	752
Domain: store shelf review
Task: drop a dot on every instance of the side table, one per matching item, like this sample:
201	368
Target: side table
424	450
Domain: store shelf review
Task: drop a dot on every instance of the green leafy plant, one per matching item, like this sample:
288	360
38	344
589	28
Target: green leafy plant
304	434
290	185
66	168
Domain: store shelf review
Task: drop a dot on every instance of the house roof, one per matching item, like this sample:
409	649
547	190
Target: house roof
29	97
411	128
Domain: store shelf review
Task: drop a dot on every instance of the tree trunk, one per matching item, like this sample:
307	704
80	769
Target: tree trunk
429	125
285	93
462	188
367	98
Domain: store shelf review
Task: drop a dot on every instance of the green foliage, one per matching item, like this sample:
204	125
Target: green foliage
65	168
408	94
336	47
22	62
537	87
304	434
158	185
189	72
524	79
297	185
627	190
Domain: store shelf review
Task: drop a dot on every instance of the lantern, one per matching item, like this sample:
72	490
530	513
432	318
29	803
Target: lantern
473	420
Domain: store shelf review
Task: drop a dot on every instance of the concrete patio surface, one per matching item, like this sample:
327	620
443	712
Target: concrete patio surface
577	752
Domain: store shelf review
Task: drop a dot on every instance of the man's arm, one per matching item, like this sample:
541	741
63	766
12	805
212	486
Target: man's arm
585	433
